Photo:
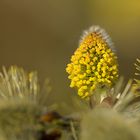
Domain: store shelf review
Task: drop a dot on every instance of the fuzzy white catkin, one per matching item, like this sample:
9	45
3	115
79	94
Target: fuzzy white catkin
103	124
17	119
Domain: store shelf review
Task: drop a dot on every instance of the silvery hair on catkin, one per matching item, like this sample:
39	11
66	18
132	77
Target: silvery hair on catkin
102	33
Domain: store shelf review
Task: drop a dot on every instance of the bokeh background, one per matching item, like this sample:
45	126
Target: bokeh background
43	34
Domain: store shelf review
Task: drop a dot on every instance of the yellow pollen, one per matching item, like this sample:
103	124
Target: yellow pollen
93	64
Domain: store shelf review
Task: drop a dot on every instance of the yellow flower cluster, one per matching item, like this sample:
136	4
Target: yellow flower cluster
93	65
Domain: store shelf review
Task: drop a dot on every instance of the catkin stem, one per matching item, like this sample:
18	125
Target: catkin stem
91	102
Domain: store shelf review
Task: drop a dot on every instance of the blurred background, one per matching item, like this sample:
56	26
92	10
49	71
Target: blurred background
43	34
